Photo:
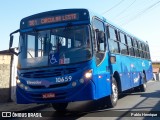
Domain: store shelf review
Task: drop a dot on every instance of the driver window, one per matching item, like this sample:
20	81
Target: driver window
98	26
99	40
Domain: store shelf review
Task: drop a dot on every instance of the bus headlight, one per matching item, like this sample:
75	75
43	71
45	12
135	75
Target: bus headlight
88	74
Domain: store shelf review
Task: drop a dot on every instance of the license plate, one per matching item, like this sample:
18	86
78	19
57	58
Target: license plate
48	95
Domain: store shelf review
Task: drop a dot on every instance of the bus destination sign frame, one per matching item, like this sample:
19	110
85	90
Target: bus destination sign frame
53	19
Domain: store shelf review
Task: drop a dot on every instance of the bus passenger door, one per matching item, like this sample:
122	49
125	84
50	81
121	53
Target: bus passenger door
101	58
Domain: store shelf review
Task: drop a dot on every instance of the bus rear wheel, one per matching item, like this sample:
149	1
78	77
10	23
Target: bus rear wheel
143	87
60	106
113	98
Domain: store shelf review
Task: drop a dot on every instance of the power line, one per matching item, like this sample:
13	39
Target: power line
125	9
155	56
130	14
112	7
142	12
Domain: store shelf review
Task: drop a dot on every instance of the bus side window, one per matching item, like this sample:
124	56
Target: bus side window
142	53
123	46
147	48
135	48
145	52
113	40
130	46
138	49
148	52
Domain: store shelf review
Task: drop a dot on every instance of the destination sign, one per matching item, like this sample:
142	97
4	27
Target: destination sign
53	19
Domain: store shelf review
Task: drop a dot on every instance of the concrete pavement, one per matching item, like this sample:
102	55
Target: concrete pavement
12	106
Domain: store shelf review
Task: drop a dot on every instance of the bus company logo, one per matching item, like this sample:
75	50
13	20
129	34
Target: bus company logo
20	115
46	83
34	82
6	114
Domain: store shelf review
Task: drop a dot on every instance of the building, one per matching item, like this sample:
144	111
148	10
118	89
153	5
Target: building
156	70
156	64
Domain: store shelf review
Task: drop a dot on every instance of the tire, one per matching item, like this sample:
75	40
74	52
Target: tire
60	106
143	87
113	98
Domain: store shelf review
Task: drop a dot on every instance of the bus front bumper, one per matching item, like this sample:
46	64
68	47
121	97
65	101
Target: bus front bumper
81	92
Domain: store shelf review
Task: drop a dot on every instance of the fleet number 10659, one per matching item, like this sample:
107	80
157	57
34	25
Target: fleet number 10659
63	79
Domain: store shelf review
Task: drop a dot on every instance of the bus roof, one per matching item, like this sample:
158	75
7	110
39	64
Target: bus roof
62	15
106	21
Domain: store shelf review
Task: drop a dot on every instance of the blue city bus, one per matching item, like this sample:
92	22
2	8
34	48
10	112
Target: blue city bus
76	55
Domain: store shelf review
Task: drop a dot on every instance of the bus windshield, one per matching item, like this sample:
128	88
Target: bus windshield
56	46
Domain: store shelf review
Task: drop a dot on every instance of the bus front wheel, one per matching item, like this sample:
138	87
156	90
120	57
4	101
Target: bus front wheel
60	106
113	98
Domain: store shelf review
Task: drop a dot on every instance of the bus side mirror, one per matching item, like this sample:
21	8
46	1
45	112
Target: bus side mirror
10	45
11	41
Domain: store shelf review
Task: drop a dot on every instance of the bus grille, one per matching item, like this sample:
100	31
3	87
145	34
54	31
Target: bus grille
51	86
38	96
49	73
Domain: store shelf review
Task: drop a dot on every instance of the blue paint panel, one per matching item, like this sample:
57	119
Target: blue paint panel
102	78
103	85
130	70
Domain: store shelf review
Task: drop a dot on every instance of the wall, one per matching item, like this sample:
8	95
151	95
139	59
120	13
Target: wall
156	65
13	77
156	76
5	61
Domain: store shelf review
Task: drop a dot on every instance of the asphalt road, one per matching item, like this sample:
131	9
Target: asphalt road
133	106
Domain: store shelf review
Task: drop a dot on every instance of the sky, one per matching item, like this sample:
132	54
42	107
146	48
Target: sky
138	17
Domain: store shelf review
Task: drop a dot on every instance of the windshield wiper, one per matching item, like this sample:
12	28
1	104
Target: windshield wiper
30	54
